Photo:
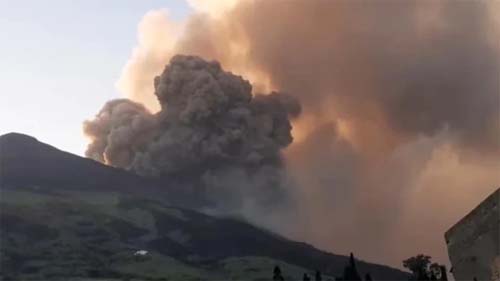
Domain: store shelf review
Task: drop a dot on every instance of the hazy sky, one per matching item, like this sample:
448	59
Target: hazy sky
60	61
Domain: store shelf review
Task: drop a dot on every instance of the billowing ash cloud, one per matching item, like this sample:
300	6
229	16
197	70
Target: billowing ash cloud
119	130
399	134
210	133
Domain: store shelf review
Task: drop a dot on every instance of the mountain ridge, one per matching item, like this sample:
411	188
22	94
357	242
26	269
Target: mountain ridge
21	154
17	147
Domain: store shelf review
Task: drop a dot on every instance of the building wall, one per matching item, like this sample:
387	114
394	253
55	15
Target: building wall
474	242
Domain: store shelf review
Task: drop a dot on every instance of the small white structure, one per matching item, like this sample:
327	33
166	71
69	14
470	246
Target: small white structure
141	253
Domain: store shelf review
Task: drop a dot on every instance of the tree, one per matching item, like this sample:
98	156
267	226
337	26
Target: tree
368	277
435	271
419	266
444	273
423	269
350	271
277	274
318	276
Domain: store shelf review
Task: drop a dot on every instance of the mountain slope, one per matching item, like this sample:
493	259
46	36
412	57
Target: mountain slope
64	216
24	160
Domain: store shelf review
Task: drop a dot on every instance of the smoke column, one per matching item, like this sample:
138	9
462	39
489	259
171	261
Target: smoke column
210	136
399	134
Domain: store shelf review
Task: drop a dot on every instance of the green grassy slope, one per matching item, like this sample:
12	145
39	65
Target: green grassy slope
51	235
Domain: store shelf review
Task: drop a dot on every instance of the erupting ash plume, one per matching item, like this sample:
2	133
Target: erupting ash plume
399	133
210	132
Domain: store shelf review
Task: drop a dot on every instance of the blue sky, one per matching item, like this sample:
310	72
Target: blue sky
59	61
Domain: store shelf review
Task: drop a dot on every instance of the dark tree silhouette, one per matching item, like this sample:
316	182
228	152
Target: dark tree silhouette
435	271
422	268
444	273
318	277
350	271
305	277
419	266
368	277
277	274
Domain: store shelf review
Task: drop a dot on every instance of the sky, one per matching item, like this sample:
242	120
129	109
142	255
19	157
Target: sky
60	61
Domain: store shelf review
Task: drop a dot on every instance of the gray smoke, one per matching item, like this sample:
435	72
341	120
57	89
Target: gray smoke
211	134
121	128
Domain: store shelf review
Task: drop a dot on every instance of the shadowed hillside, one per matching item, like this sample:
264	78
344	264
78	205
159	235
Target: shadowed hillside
24	161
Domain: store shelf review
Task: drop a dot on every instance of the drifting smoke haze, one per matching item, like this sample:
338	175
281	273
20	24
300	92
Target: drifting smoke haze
398	136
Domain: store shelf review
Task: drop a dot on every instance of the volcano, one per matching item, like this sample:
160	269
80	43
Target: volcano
64	216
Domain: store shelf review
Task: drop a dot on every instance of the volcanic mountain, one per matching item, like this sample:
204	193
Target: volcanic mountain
64	216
